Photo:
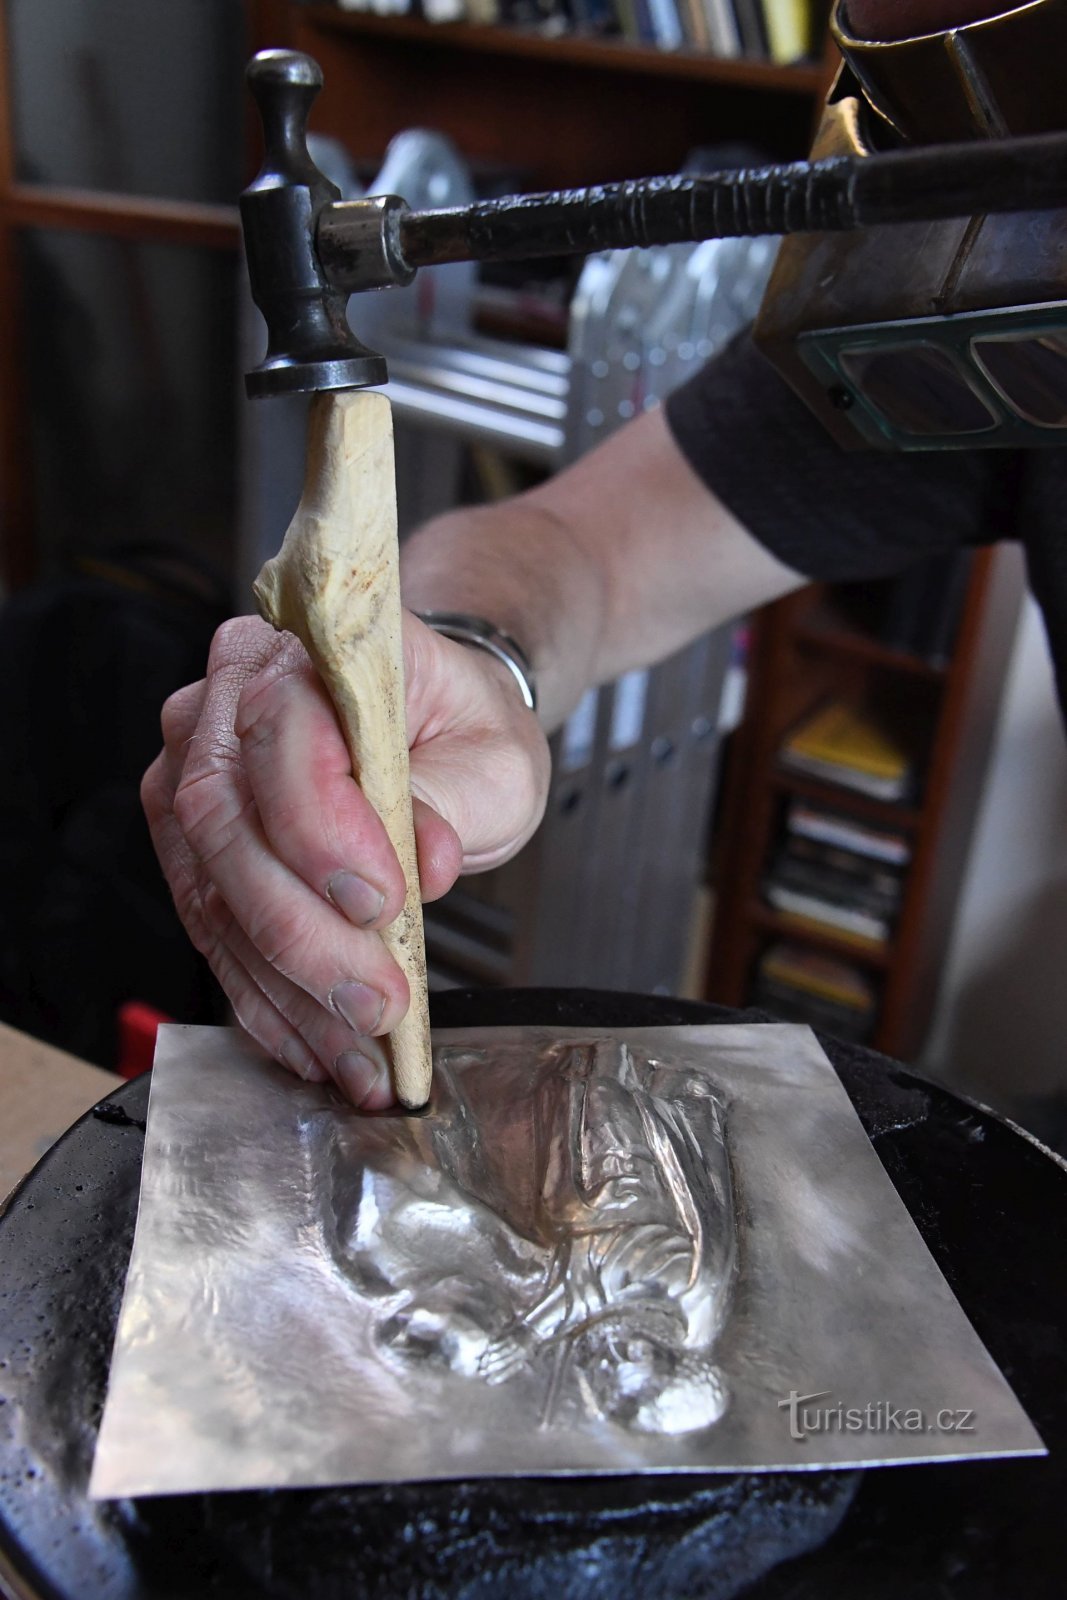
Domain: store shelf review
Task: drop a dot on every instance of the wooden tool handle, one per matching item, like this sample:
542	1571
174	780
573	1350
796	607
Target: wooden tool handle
335	583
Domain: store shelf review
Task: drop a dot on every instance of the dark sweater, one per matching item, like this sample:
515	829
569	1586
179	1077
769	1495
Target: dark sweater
840	516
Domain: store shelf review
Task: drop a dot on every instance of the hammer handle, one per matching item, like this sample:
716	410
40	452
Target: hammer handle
335	583
366	244
837	193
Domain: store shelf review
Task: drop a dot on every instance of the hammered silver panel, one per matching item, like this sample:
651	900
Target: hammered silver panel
591	1253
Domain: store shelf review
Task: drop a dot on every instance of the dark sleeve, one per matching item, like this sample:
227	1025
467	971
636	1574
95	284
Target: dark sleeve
829	513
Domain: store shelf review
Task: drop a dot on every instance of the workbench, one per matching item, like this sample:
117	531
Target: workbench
42	1091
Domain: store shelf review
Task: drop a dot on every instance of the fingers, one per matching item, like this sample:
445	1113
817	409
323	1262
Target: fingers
286	1022
312	811
309	1040
258	1017
293	927
308	985
347	970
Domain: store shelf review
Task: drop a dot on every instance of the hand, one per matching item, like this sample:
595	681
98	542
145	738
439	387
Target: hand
281	871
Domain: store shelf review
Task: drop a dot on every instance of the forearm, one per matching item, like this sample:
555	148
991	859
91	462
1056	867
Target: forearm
615	563
518	565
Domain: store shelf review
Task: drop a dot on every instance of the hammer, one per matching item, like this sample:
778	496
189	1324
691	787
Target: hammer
335	582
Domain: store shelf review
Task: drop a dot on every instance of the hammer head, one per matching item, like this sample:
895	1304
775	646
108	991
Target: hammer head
309	342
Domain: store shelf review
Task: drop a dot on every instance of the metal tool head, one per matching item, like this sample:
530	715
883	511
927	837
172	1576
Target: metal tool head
309	342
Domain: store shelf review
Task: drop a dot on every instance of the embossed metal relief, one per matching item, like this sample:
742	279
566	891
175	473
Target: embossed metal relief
566	1212
588	1254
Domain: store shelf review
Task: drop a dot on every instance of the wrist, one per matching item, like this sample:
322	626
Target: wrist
481	634
518	566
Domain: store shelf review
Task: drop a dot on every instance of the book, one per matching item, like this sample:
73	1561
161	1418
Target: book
804	985
667	24
751	28
809	821
841	744
792	1005
813	908
695	24
629	25
722	28
840	863
646	27
869	888
788	24
802	968
597	18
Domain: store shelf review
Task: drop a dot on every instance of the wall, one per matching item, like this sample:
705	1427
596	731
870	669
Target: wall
1001	1021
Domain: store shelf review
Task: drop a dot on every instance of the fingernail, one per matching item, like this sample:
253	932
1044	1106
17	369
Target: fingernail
362	1080
299	1059
359	1004
357	899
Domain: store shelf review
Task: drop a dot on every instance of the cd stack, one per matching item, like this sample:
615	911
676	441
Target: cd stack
831	874
836	872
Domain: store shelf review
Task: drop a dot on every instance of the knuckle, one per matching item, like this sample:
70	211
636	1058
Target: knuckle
202	936
254	723
152	792
226	969
284	937
208	813
248	645
272	699
397	1001
233	639
175	717
248	1014
215	912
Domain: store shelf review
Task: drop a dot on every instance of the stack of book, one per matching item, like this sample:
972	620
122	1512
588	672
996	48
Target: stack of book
838	874
769	30
801	985
847	745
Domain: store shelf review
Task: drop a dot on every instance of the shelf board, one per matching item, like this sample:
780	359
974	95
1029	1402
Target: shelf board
607	55
841	798
121	216
843	641
866	953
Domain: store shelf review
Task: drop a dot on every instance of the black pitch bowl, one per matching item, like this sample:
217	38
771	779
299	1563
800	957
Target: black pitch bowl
991	1204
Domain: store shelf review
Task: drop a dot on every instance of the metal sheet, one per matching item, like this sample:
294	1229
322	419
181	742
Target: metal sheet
666	1249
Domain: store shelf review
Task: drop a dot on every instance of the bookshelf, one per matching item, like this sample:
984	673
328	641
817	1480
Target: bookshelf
605	55
802	653
822	632
547	111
